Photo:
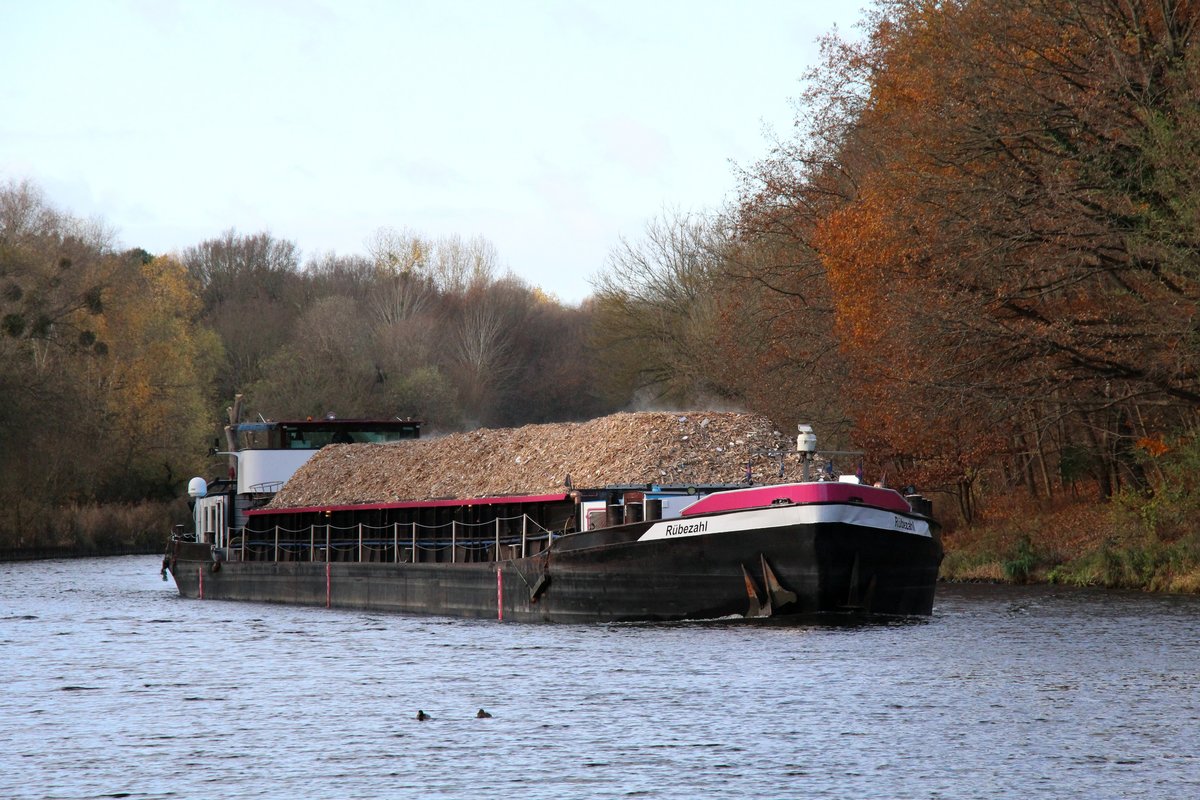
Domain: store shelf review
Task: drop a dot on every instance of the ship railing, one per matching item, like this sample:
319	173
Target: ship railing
494	540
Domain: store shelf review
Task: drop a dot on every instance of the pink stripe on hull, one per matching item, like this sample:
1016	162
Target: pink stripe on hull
799	494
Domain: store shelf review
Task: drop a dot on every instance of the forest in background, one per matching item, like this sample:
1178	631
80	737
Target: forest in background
975	257
119	363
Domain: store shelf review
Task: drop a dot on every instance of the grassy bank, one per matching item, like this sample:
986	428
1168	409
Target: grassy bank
1147	538
1146	543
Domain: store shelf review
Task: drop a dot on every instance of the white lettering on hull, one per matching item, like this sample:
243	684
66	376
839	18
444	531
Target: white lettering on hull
783	516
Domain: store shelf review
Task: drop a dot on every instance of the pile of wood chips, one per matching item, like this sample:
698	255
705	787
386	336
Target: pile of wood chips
703	447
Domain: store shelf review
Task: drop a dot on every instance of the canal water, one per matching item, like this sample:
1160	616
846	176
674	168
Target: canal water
112	686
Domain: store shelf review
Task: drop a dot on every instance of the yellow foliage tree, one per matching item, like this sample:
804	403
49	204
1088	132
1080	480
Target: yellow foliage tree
156	374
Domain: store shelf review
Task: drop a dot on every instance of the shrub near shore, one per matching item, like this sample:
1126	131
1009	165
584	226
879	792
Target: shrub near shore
94	529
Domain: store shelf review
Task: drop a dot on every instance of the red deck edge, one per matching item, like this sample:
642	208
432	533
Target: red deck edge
799	493
458	501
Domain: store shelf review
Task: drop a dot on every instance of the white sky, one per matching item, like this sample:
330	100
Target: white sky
549	128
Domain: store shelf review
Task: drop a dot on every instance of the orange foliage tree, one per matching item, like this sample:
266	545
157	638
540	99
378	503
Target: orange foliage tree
998	196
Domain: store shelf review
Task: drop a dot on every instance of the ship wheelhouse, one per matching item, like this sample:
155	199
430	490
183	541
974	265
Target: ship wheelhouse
264	456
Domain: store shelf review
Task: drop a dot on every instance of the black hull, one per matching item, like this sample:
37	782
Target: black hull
795	570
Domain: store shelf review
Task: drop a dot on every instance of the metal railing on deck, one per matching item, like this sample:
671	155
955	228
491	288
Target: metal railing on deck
397	542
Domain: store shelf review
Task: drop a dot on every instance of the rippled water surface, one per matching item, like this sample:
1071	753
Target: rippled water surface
113	686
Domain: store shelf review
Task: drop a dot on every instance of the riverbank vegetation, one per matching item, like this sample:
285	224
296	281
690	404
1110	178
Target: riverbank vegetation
1139	540
976	257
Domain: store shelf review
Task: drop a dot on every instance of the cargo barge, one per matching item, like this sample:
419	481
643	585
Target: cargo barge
615	552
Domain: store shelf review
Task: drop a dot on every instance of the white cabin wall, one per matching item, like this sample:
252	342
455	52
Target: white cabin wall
266	470
210	516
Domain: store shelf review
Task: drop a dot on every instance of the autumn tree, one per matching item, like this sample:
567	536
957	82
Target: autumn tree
106	373
778	331
658	311
251	291
155	380
558	376
325	366
450	263
53	275
994	193
420	327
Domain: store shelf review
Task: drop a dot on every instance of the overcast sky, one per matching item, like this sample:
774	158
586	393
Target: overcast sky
551	129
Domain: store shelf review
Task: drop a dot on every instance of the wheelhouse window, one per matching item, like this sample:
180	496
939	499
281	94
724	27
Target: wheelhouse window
315	437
